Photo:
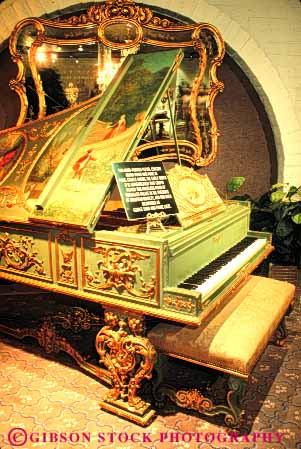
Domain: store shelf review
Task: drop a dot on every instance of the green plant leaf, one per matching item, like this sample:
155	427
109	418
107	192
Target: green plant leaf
294	194
292	191
235	183
278	185
297	218
277	196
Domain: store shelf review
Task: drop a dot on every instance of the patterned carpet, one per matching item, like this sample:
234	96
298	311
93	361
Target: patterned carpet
52	404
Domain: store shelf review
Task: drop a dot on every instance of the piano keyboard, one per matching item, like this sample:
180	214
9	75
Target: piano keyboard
213	275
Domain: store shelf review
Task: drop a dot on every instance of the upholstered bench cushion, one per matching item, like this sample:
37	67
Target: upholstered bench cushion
234	337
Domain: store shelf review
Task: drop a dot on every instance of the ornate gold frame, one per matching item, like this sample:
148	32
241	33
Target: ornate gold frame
94	22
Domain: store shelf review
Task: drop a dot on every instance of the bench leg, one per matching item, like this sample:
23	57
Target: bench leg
194	399
237	388
281	333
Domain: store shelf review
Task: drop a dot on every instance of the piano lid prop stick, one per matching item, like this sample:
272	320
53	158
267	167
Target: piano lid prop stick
173	127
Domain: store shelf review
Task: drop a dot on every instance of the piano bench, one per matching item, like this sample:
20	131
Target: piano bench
231	341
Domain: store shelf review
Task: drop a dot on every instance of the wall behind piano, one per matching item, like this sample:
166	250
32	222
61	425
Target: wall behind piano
246	146
264	38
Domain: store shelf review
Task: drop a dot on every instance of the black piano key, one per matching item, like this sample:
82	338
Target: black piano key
201	276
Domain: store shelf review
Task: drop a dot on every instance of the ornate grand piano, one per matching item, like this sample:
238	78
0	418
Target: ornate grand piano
63	226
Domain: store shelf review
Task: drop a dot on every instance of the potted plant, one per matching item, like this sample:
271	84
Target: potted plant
277	211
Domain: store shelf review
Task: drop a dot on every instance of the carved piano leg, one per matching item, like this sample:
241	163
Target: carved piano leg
194	399
129	358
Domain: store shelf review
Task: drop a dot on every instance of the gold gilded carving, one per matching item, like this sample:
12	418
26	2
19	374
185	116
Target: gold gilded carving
194	400
188	150
120	271
179	303
133	44
113	9
77	319
19	254
66	272
129	357
96	26
203	43
47	337
18	84
193	97
67	268
154	221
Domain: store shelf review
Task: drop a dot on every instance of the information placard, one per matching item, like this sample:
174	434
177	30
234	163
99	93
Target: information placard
144	189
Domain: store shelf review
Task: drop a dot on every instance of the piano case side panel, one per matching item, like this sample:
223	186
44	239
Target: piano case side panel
26	254
64	262
121	272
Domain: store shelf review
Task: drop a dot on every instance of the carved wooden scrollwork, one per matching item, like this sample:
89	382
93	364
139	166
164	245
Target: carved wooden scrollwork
194	399
47	338
19	254
18	84
129	358
117	9
106	26
77	319
65	245
119	270
179	303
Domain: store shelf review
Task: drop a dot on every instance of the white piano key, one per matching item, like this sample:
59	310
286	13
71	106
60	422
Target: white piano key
217	279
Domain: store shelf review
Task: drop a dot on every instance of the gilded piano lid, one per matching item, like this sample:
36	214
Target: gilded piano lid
29	155
66	177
